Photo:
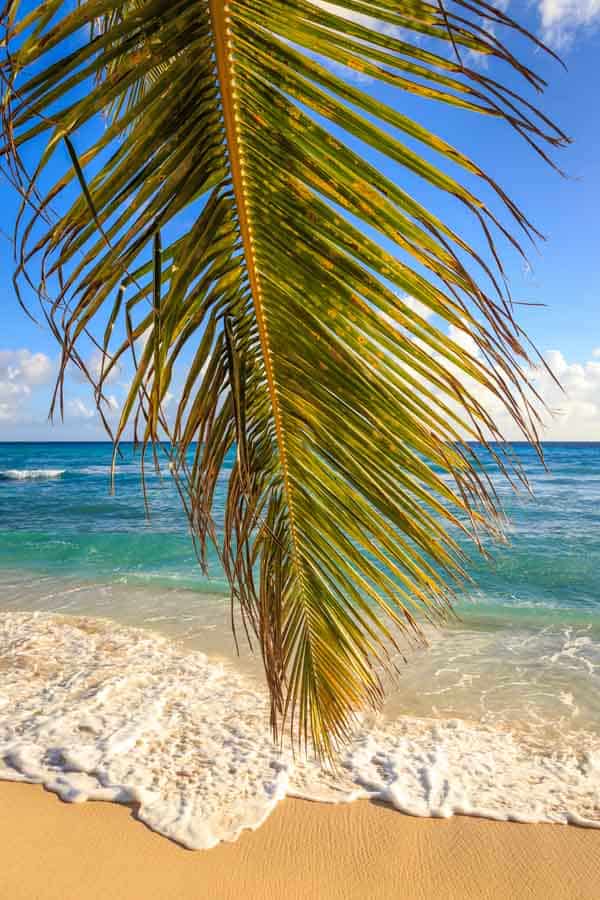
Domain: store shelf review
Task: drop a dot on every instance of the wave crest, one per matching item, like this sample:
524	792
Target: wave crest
27	474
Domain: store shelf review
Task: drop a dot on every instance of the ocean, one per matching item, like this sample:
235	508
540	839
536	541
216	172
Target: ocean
120	679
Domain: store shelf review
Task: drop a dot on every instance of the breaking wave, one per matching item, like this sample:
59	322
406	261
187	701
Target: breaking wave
95	710
26	474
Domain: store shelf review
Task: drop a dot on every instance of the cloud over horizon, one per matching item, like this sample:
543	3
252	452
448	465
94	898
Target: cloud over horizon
573	412
26	380
21	372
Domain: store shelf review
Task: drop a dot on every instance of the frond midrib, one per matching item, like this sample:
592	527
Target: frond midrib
222	34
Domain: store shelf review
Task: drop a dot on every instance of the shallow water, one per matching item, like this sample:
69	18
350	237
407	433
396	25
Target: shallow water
499	715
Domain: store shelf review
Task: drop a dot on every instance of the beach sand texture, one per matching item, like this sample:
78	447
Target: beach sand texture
57	851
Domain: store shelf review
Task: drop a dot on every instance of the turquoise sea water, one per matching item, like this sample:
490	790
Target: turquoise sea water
57	518
499	715
67	545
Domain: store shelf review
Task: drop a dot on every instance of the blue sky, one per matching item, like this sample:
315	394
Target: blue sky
565	272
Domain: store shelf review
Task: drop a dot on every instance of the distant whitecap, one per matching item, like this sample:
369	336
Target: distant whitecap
27	474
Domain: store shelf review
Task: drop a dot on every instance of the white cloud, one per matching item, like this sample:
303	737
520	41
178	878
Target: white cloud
560	19
26	383
94	366
463	339
357	17
77	409
26	386
345	72
413	305
21	372
82	408
11	396
370	22
482	59
572	413
25	367
568	392
111	402
417	307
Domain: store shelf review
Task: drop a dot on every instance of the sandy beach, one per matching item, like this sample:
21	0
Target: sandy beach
57	851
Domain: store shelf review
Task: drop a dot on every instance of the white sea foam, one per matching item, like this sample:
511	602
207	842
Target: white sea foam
26	474
120	469
94	710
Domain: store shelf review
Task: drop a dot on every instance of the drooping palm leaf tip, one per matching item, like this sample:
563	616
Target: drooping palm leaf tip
234	127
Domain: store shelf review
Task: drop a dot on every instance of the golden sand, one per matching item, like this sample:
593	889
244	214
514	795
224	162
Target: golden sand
57	851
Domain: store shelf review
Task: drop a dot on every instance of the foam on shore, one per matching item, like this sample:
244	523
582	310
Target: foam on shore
95	710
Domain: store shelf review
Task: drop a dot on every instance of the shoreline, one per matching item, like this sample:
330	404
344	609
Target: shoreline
57	851
187	738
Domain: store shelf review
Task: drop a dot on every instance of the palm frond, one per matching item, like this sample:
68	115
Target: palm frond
233	130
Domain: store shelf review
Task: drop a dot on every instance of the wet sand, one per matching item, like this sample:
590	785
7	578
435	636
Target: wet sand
57	851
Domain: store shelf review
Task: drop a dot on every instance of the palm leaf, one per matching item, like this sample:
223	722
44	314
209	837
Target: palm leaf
235	132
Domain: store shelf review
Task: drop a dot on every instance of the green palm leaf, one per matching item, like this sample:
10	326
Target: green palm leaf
229	127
